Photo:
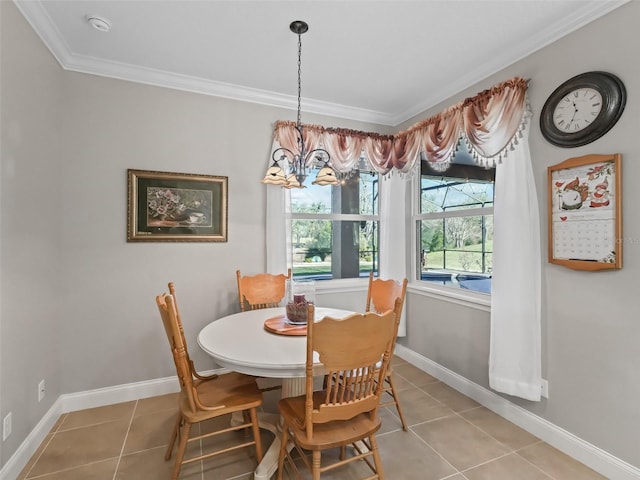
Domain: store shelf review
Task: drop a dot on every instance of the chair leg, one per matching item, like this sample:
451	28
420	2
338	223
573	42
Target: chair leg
396	399
373	443
256	433
174	435
315	465
284	439
182	447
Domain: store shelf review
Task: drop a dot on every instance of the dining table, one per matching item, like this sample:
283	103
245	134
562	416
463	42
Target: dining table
249	343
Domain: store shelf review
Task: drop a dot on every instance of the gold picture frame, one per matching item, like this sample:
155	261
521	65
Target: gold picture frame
584	202
176	207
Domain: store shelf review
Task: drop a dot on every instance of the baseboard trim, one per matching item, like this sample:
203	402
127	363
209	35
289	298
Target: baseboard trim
583	451
79	401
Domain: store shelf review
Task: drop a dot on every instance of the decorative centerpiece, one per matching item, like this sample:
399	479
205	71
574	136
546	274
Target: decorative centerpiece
301	294
297	309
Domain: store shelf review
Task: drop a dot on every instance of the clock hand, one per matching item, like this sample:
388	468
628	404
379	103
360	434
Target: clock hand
575	110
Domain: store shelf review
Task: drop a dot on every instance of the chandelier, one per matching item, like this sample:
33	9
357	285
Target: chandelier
296	164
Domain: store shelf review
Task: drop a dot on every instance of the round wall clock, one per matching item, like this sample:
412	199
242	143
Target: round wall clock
582	109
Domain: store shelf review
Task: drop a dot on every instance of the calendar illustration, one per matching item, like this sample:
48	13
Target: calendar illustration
584	213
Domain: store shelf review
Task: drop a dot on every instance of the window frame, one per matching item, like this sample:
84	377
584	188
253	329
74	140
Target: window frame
455	293
290	216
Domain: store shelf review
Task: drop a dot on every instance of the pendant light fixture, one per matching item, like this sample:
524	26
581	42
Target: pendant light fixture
296	164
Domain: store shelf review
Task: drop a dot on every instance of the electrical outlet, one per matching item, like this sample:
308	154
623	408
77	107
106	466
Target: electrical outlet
40	390
6	426
545	388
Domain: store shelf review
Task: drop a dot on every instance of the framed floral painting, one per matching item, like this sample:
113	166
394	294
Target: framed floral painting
176	207
585	212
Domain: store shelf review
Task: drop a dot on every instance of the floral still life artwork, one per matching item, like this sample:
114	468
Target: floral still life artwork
171	207
584	210
164	206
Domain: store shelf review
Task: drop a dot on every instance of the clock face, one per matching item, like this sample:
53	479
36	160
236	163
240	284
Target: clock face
577	110
582	109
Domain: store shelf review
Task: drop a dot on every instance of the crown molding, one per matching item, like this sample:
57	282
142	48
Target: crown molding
40	21
595	9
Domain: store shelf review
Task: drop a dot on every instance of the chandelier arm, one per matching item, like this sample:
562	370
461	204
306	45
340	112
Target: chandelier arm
312	152
283	149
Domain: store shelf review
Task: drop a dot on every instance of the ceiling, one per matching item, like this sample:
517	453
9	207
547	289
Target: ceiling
375	61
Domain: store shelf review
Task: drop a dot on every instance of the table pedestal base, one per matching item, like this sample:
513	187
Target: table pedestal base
291	387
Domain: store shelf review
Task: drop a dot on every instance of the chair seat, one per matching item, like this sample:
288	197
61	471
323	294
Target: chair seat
228	393
325	435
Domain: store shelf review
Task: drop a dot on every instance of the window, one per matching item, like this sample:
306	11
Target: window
455	225
334	230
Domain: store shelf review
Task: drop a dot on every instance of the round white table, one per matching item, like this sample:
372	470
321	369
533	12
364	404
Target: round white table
240	343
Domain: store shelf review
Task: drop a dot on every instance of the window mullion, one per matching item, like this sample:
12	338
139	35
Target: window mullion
334	216
455	213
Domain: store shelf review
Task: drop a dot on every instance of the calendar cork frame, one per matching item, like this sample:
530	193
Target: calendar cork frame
584	211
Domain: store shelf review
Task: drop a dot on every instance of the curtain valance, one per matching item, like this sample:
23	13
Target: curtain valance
490	123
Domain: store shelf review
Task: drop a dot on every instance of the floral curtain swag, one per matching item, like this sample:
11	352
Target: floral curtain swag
491	123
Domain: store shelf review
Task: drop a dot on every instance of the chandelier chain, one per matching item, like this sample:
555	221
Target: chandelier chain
299	77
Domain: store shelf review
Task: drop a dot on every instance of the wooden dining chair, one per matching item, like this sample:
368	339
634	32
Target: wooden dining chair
203	398
354	353
194	372
381	296
264	290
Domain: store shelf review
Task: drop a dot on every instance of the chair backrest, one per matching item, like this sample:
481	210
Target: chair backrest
169	315
263	290
355	353
172	292
382	295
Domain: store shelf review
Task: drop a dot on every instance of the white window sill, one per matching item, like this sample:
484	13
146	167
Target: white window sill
341	285
460	296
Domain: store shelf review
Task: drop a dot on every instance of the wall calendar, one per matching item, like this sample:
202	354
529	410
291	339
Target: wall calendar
584	212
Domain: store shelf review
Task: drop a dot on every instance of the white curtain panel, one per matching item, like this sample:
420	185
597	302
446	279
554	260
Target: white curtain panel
393	233
276	234
515	357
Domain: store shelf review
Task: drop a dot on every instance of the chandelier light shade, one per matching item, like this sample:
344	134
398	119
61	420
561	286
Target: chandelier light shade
289	169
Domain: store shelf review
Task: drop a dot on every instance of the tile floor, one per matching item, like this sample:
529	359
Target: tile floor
450	437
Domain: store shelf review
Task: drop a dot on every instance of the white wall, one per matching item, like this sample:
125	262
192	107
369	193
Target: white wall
31	222
77	300
590	322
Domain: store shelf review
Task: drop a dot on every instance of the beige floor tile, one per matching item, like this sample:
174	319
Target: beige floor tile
94	416
80	446
102	470
150	430
502	430
157	404
59	422
27	468
396	360
449	396
506	468
232	464
87	444
401	383
389	419
557	464
351	471
419	407
406	457
229	465
151	465
460	443
413	374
